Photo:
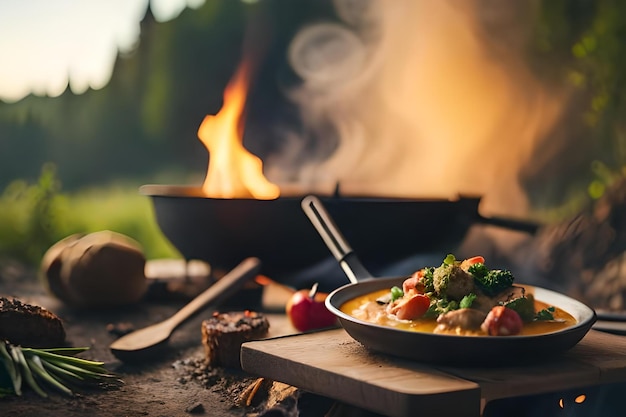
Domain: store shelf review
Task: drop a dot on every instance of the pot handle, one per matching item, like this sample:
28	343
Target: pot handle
334	239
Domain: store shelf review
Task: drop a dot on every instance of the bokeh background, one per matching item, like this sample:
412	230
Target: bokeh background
101	97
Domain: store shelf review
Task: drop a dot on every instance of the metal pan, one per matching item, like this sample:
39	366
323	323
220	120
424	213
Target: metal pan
224	231
430	347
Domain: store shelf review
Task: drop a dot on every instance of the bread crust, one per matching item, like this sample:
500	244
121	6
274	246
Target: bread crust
29	325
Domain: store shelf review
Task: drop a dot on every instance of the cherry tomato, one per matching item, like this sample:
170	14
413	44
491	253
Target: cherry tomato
413	307
306	310
502	321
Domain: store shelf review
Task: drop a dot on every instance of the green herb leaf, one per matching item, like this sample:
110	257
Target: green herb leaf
467	301
545	314
449	260
525	307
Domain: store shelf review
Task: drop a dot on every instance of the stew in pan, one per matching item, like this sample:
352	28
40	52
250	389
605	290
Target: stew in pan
460	298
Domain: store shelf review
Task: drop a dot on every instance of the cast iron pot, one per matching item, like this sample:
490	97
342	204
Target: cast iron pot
224	231
431	347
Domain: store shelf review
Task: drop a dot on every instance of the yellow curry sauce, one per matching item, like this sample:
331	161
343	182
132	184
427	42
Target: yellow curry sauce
355	308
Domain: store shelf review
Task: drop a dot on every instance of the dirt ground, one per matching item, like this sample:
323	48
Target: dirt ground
155	390
168	382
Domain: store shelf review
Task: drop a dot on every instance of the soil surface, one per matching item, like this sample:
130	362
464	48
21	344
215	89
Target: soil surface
168	381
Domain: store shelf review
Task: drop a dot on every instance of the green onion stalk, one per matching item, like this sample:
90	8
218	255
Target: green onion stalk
44	369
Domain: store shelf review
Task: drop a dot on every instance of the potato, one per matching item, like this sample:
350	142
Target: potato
101	269
50	270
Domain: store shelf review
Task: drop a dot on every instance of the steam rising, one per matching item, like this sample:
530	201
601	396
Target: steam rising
426	99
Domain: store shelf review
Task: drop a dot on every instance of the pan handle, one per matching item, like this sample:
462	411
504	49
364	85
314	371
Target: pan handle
334	239
512	224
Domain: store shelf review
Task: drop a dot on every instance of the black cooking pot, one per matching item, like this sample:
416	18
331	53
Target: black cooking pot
224	231
430	347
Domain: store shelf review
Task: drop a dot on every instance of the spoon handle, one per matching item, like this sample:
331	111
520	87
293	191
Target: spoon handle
219	291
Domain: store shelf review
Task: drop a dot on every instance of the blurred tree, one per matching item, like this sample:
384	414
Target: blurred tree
144	120
580	46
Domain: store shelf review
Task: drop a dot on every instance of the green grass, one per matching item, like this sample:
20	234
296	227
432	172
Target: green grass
35	216
123	210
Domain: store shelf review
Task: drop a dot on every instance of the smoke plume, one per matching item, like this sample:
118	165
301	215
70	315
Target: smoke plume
422	98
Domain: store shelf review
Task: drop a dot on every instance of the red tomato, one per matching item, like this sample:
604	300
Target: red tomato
502	321
306	310
412	308
471	261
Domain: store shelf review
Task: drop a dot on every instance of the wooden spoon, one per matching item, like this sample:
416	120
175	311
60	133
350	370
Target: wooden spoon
148	337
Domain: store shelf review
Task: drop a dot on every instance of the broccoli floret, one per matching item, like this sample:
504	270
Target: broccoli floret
441	277
428	280
478	270
495	281
440	306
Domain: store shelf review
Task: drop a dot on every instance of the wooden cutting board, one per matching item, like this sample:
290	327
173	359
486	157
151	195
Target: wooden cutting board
332	364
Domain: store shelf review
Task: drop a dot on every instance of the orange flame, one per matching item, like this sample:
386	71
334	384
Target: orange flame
233	172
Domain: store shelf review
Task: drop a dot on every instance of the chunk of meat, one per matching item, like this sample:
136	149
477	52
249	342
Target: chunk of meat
460	321
509	294
483	302
370	311
453	282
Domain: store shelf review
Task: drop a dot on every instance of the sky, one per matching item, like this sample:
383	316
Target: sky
47	44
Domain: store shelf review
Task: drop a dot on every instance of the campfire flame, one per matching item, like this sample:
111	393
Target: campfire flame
233	172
